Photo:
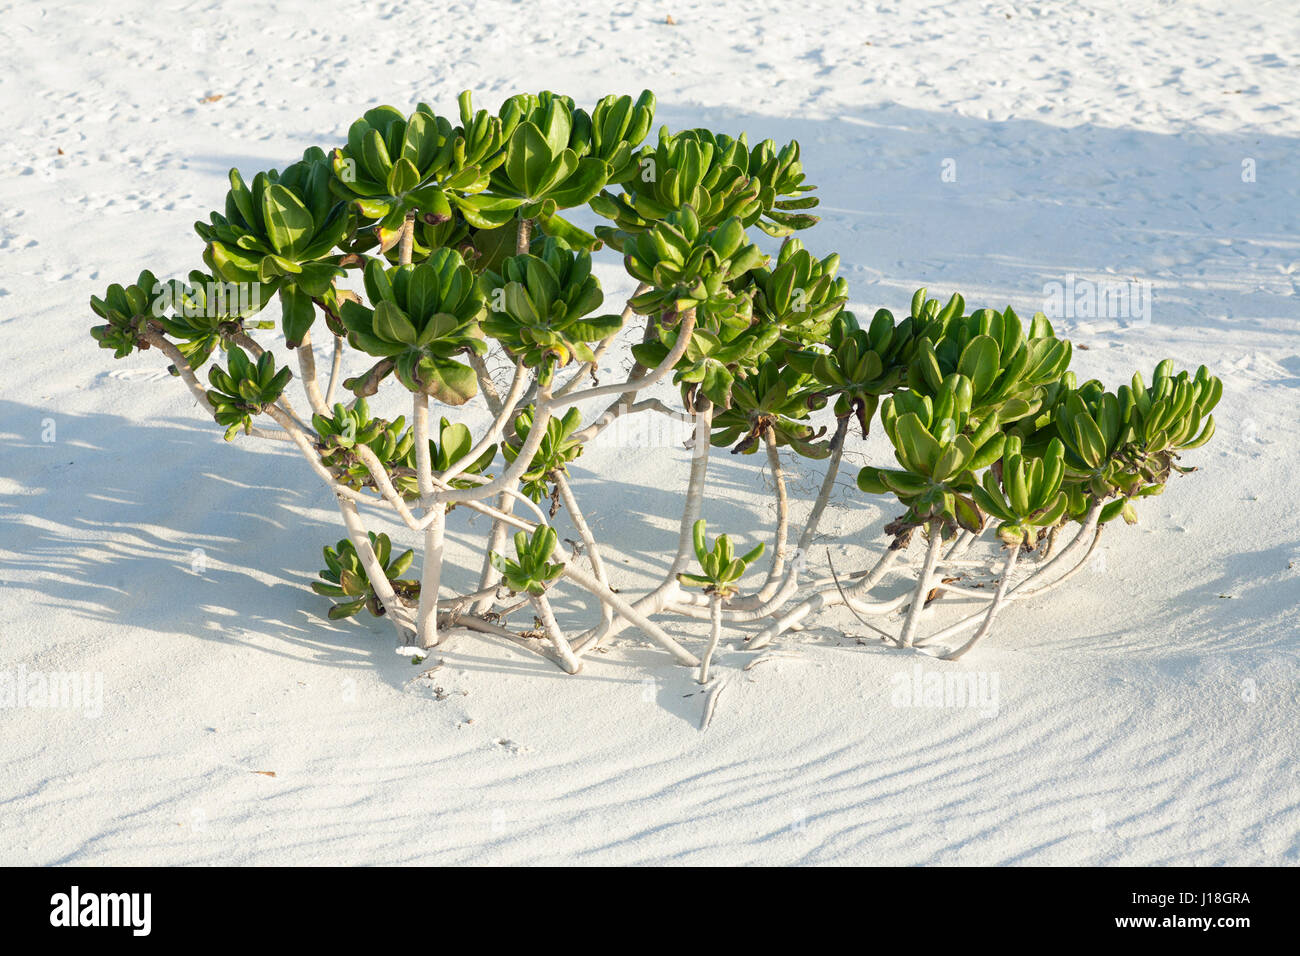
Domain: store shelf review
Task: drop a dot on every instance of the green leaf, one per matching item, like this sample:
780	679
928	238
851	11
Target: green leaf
967	515
581	185
869	481
288	222
353	583
456	441
297	315
450	382
917	449
340	611
400	563
979	363
1091	446
403	178
392	324
527	157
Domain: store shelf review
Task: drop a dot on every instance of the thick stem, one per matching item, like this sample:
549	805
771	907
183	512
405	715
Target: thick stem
619	409
168	348
627	390
627	612
668	589
959	546
310	384
777	567
546	405
828	485
745	610
436	517
1018	592
423	461
156	339
485	383
1088	533
336	368
1021	591
695	487
452	610
715	632
523	236
1049	544
407	247
922	584
431	578
509	478
996	606
753	608
562	648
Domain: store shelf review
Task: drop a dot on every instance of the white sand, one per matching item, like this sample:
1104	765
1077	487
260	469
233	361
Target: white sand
1147	712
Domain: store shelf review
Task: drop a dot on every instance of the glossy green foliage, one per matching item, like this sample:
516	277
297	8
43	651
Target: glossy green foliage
984	419
719	177
800	293
347	428
344	577
721	569
532	571
282	231
557	448
771	398
688	266
856	366
394	164
540	305
423	317
984	393
1025	493
206	313
244	388
128	310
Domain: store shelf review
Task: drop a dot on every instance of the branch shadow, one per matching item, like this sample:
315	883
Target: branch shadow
152	525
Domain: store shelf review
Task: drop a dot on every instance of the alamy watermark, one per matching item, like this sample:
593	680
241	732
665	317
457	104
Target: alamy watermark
974	690
53	690
650	429
128	910
1127	301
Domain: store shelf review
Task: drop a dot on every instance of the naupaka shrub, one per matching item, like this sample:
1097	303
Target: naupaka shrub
460	237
